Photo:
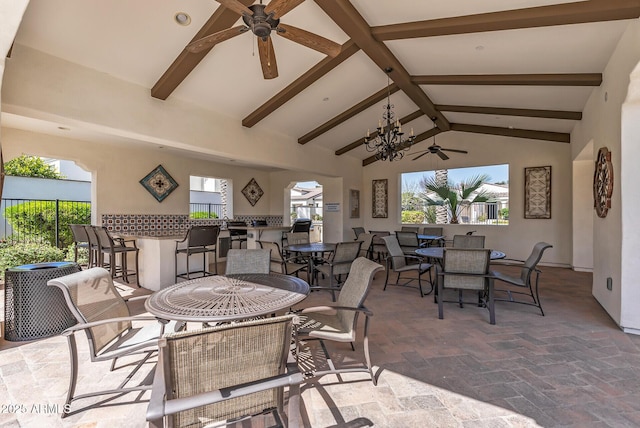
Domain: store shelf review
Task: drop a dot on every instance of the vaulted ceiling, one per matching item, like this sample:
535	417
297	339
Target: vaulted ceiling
519	68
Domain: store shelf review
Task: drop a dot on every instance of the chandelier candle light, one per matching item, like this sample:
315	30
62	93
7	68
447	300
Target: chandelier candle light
388	142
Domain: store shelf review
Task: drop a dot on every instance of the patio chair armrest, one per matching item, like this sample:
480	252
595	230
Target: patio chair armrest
158	408
83	326
135	298
514	261
335	309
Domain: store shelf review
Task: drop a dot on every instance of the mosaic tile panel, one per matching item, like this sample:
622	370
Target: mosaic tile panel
169	224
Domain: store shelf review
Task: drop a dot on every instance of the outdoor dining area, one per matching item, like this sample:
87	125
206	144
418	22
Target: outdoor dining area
259	338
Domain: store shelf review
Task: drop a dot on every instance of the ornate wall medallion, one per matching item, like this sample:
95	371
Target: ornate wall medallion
379	198
603	182
252	192
159	183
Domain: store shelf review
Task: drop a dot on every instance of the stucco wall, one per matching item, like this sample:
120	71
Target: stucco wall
602	124
516	239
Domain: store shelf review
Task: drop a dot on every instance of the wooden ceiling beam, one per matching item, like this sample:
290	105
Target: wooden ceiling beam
567	79
543	16
300	84
186	62
348	114
560	137
360	141
345	15
547	114
420	137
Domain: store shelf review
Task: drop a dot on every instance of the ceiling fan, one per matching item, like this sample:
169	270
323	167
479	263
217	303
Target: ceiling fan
262	20
435	149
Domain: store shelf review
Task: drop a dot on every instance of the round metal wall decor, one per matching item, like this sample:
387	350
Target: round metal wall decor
603	182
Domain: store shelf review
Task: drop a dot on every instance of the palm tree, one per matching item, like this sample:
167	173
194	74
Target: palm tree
442	177
454	198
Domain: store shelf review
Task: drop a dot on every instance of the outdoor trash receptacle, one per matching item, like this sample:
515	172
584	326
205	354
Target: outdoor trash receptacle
33	310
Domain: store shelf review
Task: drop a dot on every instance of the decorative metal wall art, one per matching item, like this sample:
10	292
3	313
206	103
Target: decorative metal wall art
603	182
252	191
379	198
537	192
159	183
354	203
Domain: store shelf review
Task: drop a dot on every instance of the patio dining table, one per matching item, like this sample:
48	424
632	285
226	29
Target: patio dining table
227	298
311	249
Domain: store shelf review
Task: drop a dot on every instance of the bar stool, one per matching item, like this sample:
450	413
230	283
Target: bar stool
237	235
113	247
199	240
80	240
95	256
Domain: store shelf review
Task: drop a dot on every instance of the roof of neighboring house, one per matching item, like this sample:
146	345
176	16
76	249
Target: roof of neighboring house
306	193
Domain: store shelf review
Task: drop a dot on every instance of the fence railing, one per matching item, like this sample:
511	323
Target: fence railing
206	210
41	221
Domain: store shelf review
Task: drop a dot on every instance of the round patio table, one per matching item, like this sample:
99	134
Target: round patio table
311	249
438	253
227	298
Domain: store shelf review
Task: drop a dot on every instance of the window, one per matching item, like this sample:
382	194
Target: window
482	196
207	197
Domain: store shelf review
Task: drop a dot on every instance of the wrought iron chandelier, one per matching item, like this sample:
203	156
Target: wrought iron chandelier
388	142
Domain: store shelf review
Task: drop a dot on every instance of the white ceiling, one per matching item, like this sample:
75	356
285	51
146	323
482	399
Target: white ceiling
138	40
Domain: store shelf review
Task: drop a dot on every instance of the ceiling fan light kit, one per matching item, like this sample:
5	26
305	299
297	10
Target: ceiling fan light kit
388	142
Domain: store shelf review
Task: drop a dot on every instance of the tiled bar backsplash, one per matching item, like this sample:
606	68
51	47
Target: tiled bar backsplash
169	224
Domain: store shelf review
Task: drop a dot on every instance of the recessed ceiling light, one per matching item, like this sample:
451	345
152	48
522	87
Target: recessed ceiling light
479	48
64	128
182	18
325	99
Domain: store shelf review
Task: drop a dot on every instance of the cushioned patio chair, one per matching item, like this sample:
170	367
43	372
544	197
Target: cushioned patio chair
524	282
335	266
466	269
401	263
279	263
225	374
105	318
338	323
248	261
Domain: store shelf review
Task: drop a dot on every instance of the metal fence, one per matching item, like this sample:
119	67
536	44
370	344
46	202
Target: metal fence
41	221
206	210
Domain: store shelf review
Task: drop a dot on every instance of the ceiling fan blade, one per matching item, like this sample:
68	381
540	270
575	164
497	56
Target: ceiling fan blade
419	156
215	38
267	58
280	7
236	6
455	150
442	155
310	40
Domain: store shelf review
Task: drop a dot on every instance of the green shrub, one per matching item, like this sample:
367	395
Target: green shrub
35	221
412	217
203	214
83	254
24	254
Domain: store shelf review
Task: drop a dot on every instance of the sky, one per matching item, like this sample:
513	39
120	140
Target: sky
497	173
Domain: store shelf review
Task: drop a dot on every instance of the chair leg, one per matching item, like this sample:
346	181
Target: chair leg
366	350
492	309
73	375
440	300
138	269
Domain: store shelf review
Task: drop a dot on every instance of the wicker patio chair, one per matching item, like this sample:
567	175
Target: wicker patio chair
225	374
338	323
279	263
524	281
105	318
401	263
466	269
248	261
337	264
198	240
